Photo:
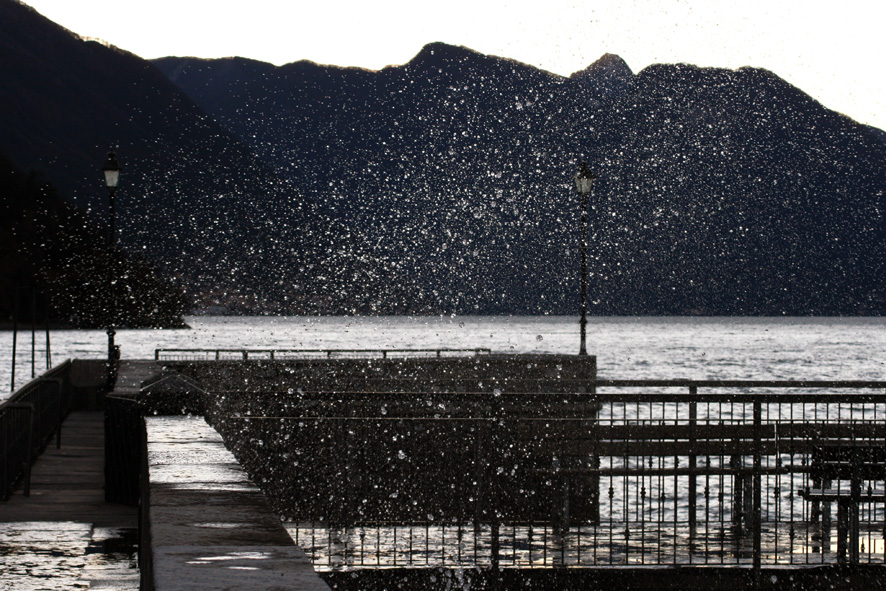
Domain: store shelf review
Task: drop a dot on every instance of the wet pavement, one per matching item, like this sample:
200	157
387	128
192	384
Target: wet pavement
64	535
210	526
47	555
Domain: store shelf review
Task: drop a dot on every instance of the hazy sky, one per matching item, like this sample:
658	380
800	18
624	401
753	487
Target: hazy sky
831	50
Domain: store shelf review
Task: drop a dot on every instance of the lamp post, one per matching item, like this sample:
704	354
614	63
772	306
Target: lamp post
584	183
112	175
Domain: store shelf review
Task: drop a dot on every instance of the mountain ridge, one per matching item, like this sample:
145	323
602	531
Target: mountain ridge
446	186
192	196
744	119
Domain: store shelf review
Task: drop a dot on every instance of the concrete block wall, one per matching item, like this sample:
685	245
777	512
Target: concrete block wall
205	526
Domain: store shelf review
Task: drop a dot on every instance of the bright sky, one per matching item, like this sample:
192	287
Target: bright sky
832	50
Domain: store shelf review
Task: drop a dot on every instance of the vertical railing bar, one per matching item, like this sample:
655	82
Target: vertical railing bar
693	462
5	429
33	332
46	327
14	333
676	486
28	406
757	483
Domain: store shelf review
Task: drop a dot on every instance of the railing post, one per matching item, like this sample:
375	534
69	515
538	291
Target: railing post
33	332
6	418
758	483
60	409
30	443
693	461
14	335
495	544
854	499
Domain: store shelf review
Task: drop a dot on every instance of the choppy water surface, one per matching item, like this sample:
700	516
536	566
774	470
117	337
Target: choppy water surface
45	556
696	348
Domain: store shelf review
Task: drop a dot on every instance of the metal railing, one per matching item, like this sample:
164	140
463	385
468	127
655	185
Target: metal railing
28	420
287	354
659	473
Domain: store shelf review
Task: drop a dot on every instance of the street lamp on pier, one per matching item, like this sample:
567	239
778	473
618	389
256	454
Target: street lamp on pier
112	175
584	183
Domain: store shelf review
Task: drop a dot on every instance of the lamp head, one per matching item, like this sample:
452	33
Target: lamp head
111	170
584	179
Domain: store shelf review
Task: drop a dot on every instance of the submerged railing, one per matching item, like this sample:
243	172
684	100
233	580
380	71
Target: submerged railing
287	354
660	472
28	420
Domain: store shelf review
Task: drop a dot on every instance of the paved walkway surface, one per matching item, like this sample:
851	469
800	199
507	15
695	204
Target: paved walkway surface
211	528
64	535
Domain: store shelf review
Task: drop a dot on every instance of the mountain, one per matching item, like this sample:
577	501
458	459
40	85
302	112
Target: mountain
192	196
609	76
444	164
877	133
445	184
719	191
733	191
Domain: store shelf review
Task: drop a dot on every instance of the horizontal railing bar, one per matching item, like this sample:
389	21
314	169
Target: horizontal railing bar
811	428
474	350
829	494
677	471
739	383
35	384
634	398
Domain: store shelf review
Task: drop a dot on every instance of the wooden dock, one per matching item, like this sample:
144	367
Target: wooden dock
64	535
67	484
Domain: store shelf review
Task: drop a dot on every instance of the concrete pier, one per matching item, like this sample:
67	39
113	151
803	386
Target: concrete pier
209	527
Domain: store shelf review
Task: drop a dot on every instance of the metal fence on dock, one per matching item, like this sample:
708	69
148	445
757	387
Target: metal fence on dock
28	420
728	473
287	354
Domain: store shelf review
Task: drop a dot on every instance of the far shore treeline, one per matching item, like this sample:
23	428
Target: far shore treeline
443	185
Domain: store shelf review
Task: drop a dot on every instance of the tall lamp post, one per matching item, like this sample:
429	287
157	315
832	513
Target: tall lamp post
584	183
112	175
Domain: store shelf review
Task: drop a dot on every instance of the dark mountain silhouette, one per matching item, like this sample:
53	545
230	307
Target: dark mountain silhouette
720	192
444	164
191	196
733	191
445	184
877	133
607	77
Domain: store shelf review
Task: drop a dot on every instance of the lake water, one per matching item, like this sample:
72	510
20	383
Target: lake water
636	347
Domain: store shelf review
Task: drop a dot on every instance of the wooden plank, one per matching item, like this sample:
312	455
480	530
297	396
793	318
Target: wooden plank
67	484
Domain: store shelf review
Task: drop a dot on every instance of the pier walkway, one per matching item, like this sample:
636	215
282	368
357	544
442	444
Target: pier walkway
208	526
64	535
